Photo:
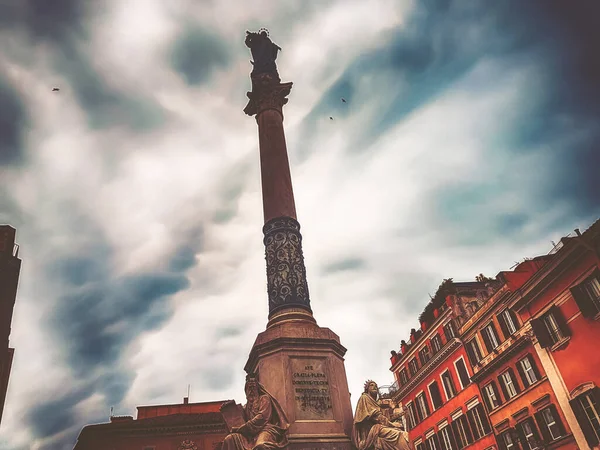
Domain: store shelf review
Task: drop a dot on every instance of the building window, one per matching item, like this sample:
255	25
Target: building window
436	343
587	295
490	337
424	355
420	446
462	434
422	408
430	443
436	397
449	331
463	375
551	328
445	439
403	377
412	415
587	412
473	352
529	435
478	421
508	323
448	385
508	440
528	371
509	384
413	366
491	396
550	424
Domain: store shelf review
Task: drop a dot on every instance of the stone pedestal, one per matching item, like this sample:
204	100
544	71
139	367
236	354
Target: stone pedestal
302	365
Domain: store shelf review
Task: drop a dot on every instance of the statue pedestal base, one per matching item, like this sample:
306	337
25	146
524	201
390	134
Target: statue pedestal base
302	366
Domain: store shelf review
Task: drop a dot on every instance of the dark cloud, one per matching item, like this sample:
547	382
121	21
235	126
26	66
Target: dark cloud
13	120
344	265
560	122
196	53
97	315
64	25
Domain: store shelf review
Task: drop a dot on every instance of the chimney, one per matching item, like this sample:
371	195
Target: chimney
186	400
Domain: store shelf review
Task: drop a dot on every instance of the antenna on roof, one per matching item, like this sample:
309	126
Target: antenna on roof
189	386
111	411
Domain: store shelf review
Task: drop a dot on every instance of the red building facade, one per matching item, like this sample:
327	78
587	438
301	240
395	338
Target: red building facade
185	426
443	408
522	407
561	302
10	267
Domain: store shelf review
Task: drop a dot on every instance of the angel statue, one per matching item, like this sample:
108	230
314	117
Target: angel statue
371	429
264	52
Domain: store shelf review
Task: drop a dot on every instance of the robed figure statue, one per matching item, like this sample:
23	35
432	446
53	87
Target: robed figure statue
264	53
266	424
371	429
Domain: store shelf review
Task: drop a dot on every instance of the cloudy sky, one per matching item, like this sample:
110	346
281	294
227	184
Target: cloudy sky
469	141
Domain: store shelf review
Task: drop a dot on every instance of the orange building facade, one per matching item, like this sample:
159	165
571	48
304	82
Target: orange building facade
522	407
561	302
443	407
185	426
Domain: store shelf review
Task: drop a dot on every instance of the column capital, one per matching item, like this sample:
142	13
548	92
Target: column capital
267	93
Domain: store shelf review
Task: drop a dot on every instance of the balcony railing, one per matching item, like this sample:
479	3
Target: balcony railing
388	391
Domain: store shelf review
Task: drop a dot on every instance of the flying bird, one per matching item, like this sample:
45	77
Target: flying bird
55	89
343	100
331	118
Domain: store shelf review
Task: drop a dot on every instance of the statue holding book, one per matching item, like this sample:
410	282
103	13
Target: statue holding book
260	425
372	430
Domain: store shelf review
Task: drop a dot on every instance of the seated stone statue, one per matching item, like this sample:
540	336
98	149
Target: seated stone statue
266	424
371	429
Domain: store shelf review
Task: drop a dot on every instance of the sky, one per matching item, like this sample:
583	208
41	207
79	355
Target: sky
468	141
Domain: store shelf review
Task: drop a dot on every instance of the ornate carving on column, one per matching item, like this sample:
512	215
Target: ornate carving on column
286	273
267	93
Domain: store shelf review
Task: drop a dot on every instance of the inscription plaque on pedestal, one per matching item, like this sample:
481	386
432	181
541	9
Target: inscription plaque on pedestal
310	381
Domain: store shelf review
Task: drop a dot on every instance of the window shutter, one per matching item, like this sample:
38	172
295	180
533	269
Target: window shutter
487	400
462	373
471	353
558	420
473	425
536	435
440	439
436	398
494	331
539	418
503	326
486	340
497	393
585	424
514	380
541	332
583	301
522	374
487	429
426	404
453	441
514	319
457	439
534	366
560	320
500	441
417	410
467	429
521	435
503	387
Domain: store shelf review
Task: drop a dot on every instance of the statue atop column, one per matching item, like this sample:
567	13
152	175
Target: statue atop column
267	90
264	51
266	423
371	429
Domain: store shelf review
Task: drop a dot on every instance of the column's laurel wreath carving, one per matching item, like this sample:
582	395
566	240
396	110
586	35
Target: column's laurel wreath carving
286	273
